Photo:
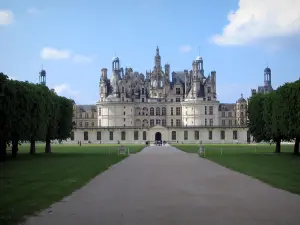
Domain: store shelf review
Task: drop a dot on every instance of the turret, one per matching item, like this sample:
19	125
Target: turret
267	77
42	77
103	74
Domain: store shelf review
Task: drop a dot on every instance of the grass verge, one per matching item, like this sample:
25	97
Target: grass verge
258	161
31	183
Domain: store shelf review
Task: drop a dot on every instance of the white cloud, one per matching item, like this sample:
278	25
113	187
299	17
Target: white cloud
66	90
257	20
63	54
185	49
55	54
6	17
34	10
81	58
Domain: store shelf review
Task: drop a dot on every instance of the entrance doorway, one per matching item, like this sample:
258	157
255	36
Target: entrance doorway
157	136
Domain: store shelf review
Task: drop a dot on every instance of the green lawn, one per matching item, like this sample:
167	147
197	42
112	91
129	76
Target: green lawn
278	170
33	182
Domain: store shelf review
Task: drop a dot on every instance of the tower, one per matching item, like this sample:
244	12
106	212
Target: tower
115	64
157	59
42	77
199	64
267	77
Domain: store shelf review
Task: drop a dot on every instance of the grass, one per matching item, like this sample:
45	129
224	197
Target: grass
258	161
31	183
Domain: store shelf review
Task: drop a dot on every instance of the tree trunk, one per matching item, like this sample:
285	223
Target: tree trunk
296	146
48	146
277	149
32	145
15	148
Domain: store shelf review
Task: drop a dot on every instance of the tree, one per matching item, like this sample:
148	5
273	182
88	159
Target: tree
256	123
290	99
273	119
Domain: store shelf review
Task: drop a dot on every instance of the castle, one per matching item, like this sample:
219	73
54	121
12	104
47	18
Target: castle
134	108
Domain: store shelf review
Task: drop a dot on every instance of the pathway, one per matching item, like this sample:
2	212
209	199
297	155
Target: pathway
164	186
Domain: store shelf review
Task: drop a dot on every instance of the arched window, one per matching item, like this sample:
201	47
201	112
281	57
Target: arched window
157	111
136	135
86	136
123	136
151	123
174	135
151	111
163	111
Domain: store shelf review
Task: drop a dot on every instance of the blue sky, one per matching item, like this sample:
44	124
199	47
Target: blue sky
74	40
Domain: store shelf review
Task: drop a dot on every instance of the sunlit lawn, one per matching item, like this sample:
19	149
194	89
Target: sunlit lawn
259	161
33	182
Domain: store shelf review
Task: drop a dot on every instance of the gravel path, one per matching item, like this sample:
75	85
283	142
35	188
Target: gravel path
164	186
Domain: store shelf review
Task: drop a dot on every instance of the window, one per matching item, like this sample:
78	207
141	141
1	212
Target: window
151	111
208	98
230	122
211	110
178	111
222	134
151	123
177	91
211	122
205	110
197	135
242	121
177	99
208	89
242	114
136	135
157	111
157	121
98	135
99	123
86	115
80	116
80	124
72	136
144	135
143	100
223	114
186	135
122	99
171	99
210	136
172	123
111	135
205	122
86	136
93	124
172	111
100	111
229	114
235	135
223	122
132	91
173	135
143	91
93	116
178	123
123	135
86	124
163	111
123	89
163	122
242	107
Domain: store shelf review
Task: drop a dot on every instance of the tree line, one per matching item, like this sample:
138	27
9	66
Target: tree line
275	116
31	112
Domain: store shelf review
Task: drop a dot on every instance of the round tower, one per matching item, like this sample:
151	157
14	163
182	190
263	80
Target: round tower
267	77
42	77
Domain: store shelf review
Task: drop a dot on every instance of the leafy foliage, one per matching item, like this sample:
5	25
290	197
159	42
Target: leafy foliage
31	112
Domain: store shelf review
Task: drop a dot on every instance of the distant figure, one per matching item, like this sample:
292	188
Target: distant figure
79	143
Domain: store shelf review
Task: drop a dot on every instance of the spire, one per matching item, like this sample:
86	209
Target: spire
157	50
241	95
